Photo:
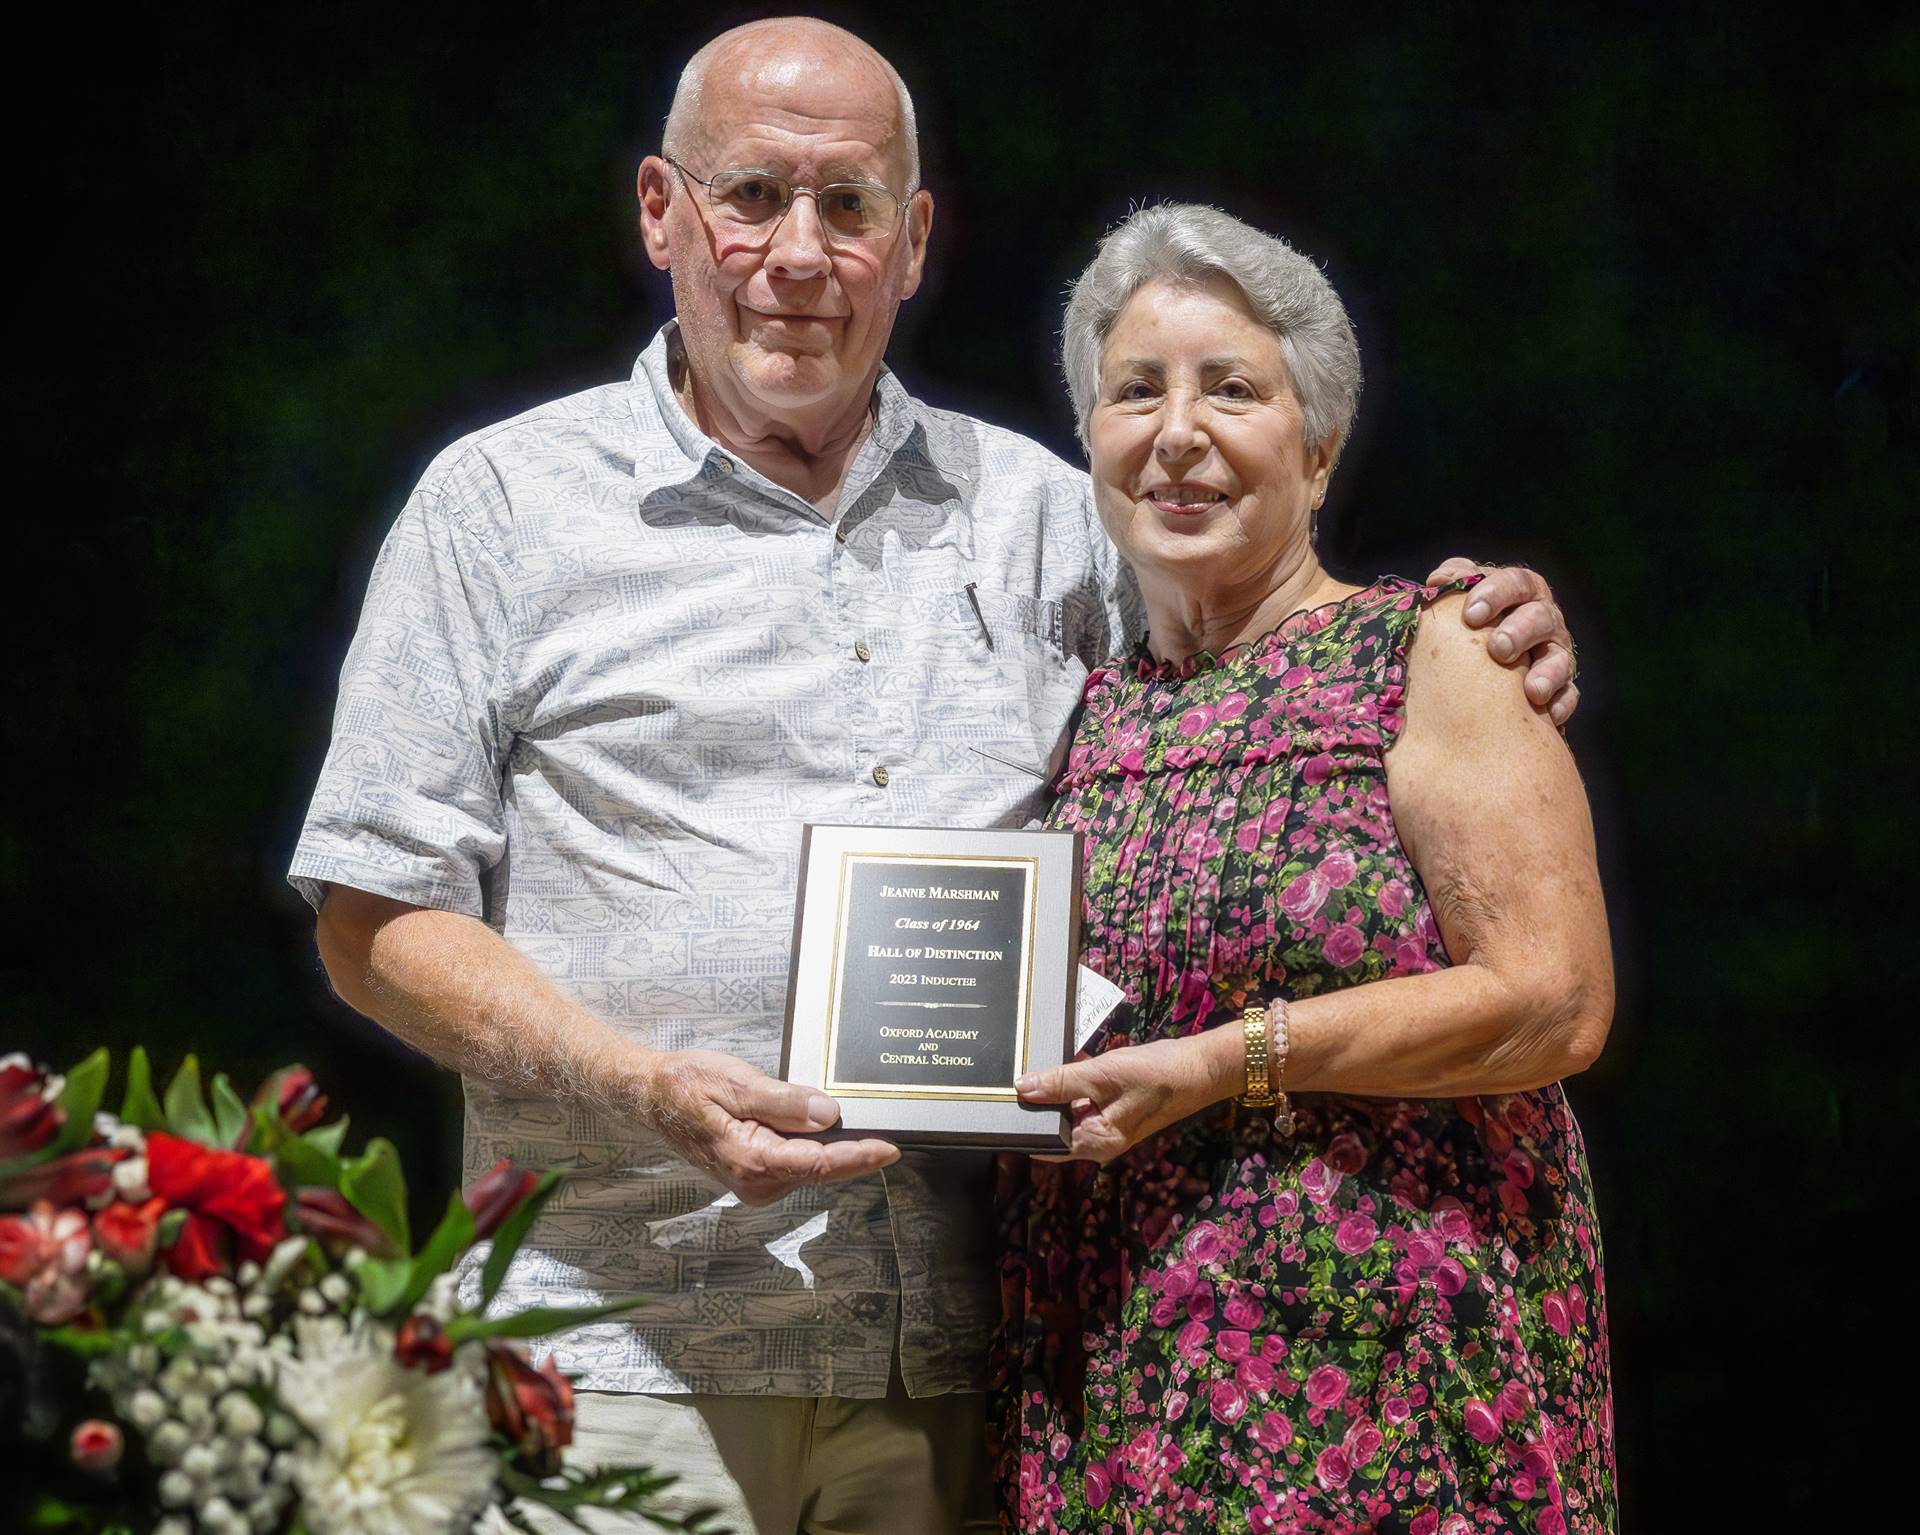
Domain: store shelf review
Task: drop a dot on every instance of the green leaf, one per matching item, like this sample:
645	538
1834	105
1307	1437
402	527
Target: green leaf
374	1187
229	1113
521	1523
301	1164
632	1490
169	1228
87	1345
512	1232
80	1097
139	1107
186	1109
328	1137
452	1237
382	1282
49	1513
535	1321
267	1135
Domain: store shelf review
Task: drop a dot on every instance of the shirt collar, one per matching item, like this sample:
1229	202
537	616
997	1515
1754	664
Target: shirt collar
895	416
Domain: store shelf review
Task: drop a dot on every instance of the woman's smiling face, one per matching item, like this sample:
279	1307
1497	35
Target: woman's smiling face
1199	468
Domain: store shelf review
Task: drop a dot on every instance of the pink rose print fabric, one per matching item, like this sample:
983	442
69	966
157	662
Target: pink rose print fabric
1394	1321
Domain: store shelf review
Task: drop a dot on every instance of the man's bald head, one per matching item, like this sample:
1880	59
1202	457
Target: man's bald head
777	53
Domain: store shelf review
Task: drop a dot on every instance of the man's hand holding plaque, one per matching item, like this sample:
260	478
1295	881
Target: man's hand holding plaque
931	969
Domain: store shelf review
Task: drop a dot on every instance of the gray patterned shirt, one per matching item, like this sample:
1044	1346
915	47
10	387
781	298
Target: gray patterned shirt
604	672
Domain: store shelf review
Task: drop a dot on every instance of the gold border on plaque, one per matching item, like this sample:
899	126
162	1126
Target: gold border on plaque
1025	1005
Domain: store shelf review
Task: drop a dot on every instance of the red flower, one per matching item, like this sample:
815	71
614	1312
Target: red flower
44	1254
496	1194
423	1344
126	1233
532	1409
79	1177
30	1112
199	1251
298	1098
226	1194
327	1214
96	1445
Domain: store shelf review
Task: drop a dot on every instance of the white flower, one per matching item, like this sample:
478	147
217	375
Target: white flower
130	1180
169	1441
146	1409
239	1415
280	1263
395	1451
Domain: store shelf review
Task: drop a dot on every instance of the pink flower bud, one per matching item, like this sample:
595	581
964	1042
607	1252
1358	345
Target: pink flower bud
423	1344
30	1112
531	1409
80	1177
296	1096
96	1445
496	1194
327	1214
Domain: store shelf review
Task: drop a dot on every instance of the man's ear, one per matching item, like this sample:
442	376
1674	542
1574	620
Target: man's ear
654	185
919	232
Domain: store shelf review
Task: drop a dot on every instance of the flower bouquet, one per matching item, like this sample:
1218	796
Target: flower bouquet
214	1321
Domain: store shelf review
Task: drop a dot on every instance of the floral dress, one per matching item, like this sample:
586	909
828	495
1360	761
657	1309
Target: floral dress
1392	1321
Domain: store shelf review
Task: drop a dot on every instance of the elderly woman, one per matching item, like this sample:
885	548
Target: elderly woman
1326	1257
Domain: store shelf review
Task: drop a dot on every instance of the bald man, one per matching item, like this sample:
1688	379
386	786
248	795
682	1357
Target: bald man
614	653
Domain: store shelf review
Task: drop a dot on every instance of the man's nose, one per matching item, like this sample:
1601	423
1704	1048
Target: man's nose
799	247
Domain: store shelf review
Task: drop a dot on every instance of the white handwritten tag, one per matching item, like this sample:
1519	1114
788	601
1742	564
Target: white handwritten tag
1096	998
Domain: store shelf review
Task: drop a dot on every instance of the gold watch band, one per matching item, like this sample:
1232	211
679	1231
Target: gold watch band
1259	1089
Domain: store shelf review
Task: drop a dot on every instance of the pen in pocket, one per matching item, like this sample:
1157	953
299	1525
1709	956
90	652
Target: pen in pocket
973	598
1020	767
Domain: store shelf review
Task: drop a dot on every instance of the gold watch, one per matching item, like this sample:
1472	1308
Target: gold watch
1259	1091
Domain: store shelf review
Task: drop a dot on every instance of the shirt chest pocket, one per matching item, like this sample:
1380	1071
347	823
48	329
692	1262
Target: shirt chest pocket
996	687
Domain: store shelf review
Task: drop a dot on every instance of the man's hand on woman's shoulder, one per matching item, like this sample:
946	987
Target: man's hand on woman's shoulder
1531	628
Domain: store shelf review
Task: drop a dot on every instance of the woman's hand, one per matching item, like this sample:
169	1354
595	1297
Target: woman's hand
1119	1098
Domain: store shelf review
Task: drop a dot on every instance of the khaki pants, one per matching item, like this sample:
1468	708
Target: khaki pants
782	1465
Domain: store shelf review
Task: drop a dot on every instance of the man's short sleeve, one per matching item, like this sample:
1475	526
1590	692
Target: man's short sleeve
1116	616
409	800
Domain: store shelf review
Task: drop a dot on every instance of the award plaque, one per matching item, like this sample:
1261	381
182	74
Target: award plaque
931	967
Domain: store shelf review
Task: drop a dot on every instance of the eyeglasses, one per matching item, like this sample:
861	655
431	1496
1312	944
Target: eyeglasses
754	200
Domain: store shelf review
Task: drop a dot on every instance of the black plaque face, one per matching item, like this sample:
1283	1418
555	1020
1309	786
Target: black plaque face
932	976
932	966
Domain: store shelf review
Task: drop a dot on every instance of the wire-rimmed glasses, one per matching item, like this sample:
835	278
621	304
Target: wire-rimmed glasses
755	201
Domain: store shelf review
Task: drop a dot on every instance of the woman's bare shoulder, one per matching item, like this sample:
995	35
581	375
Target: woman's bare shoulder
1454	684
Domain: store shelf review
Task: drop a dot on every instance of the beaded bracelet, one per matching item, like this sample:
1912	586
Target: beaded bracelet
1282	1105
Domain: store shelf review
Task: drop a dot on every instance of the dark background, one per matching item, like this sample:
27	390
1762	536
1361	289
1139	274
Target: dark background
1636	291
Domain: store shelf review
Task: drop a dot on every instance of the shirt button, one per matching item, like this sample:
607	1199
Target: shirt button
880	776
723	466
839	535
860	650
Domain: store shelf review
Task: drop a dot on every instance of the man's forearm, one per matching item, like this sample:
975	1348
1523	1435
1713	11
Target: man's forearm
454	989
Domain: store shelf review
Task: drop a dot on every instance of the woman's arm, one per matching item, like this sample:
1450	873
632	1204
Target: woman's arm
1492	813
1491	810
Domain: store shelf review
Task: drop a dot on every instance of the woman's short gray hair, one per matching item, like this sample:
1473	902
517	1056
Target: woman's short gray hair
1190	243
